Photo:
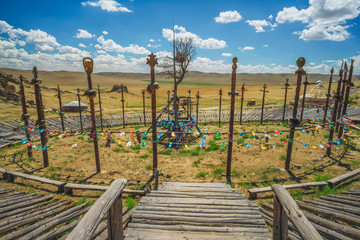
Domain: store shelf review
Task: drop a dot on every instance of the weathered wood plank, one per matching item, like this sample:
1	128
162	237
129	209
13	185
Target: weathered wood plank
344	177
197	201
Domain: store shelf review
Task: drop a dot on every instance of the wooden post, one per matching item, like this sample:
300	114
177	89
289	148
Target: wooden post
263	103
348	85
337	99
88	66
242	101
144	114
294	121
220	94
341	98
152	87
303	99
189	102
328	94
122	103
168	102
280	222
197	107
286	89
232	93
80	110
115	223
25	116
41	117
101	117
61	113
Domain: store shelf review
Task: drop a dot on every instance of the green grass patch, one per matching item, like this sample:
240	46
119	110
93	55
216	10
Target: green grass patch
149	167
130	203
144	156
201	174
165	152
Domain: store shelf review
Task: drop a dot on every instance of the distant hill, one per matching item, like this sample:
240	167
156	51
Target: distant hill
108	79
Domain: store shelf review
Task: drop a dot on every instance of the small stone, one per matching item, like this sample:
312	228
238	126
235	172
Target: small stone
70	169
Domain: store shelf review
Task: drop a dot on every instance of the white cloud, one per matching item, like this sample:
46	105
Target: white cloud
105	32
270	17
247	48
226	54
228	16
265	45
163	54
6	45
110	45
260	24
107	5
84	34
181	33
42	40
82	45
69	49
312	64
151	40
325	19
101	51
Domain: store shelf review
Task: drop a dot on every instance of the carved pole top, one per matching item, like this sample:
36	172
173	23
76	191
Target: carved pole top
332	70
35	72
88	65
300	63
234	66
346	67
152	60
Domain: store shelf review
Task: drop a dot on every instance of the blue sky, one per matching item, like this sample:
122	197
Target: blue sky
265	36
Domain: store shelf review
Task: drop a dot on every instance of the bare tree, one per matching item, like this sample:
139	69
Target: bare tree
176	67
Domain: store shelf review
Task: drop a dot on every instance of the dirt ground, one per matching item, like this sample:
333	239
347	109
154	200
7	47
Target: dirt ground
251	167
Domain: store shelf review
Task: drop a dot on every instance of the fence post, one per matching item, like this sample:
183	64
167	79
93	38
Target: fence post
349	85
88	66
123	107
232	93
337	99
115	223
25	116
197	107
303	100
152	87
101	117
143	94
60	108
286	89
41	117
339	111
220	94
80	110
263	103
242	101
280	221
328	94
294	121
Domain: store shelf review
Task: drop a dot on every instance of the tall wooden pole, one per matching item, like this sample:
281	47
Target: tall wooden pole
197	107
168	102
337	99
286	89
348	85
25	116
294	121
101	117
60	107
88	66
220	94
80	110
263	103
341	97
303	99
328	94
143	94
242	102
41	117
152	87
190	104
123	107
233	93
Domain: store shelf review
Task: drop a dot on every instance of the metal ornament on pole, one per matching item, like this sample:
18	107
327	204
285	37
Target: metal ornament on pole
88	64
232	93
286	89
25	116
294	122
328	95
41	117
151	88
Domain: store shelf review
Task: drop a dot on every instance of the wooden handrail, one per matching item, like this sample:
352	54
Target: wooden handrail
110	204
286	208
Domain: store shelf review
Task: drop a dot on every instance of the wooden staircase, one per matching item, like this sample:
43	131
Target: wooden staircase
180	210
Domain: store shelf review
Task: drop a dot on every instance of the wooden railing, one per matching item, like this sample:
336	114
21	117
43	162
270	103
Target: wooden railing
285	208
110	204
